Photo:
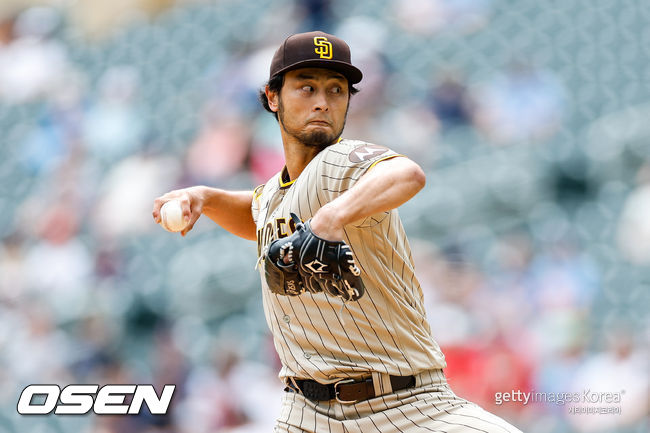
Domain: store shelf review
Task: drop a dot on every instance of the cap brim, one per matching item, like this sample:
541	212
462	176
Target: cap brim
353	74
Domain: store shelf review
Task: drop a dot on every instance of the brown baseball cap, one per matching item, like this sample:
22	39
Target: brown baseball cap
315	50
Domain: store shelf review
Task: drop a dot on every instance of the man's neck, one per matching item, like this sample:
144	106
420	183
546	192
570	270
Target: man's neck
297	155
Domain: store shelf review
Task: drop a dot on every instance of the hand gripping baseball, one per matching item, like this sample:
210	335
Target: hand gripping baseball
322	265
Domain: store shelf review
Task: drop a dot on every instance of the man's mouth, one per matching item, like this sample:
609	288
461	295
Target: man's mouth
319	122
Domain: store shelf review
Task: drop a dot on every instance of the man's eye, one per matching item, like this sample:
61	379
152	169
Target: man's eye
336	90
307	88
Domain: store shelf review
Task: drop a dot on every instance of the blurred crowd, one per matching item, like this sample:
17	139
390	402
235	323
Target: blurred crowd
543	291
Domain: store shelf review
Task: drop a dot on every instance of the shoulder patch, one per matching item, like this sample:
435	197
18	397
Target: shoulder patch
364	153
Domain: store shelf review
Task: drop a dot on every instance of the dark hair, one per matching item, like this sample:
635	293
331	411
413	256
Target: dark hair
275	85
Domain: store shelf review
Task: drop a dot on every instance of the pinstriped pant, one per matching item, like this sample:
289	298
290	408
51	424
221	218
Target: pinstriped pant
430	406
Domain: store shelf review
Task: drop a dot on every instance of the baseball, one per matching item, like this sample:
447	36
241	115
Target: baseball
171	216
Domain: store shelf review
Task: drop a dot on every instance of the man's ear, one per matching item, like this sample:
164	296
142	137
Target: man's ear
272	97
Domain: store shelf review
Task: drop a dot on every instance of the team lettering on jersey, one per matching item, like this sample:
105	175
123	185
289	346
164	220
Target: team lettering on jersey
277	229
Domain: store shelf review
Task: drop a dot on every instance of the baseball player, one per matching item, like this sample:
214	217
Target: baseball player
340	294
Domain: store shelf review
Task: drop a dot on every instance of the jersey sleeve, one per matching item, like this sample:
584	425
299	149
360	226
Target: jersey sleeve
342	167
255	204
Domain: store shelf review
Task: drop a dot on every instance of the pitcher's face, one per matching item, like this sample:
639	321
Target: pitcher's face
312	105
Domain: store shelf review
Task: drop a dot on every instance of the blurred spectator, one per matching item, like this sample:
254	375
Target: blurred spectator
45	147
6	28
170	366
109	261
427	17
467	16
634	224
432	268
13	269
563	278
410	129
57	136
36	332
266	156
451	101
422	17
212	399
123	206
32	63
113	126
230	86
116	372
626	364
227	144
95	341
367	38
555	372
220	150
98	20
315	15
525	103
62	259
486	353
482	367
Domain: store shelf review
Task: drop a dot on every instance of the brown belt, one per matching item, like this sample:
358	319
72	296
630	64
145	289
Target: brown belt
346	390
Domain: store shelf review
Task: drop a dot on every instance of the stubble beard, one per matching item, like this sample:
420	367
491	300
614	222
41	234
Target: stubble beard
318	138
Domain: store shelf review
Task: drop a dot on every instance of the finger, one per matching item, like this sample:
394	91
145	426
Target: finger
187	229
157	204
187	209
191	219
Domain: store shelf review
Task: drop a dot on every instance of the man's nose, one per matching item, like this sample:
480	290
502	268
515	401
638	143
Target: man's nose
320	102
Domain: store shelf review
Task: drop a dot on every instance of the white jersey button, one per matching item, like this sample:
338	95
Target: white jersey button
307	355
286	318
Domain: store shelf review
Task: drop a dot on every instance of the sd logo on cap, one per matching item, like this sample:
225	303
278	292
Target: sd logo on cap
314	50
323	47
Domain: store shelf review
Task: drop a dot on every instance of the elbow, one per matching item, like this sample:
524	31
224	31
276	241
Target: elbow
418	177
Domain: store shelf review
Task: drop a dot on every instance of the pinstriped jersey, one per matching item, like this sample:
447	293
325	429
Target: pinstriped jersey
321	337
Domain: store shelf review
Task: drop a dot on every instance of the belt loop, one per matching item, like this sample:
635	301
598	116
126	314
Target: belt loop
381	383
295	385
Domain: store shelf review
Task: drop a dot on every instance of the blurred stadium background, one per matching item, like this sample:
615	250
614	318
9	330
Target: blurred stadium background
532	237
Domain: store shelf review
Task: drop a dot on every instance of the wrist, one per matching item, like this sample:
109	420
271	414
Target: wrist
328	223
206	195
334	215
